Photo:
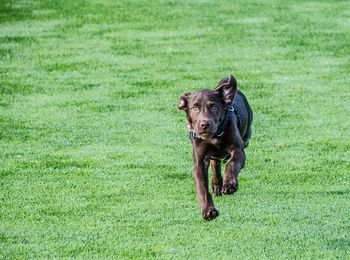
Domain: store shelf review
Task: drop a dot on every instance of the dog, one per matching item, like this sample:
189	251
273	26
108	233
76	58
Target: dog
219	123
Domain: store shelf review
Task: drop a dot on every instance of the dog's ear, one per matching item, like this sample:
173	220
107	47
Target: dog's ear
184	101
223	81
227	88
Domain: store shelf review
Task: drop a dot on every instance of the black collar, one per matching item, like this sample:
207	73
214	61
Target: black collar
228	115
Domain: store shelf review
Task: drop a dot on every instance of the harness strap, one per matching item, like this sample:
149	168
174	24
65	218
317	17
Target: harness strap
228	157
228	115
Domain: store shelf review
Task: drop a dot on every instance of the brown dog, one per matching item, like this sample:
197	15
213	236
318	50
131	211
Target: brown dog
219	122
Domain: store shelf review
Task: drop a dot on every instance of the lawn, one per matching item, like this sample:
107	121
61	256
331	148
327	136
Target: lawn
95	157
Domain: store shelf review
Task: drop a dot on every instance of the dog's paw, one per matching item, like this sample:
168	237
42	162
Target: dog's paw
229	188
210	213
217	190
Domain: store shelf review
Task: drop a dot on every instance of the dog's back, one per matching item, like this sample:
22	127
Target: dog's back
245	117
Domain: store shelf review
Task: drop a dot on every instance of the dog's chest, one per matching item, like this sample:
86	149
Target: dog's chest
218	147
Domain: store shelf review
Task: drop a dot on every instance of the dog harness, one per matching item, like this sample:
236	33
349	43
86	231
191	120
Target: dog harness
228	115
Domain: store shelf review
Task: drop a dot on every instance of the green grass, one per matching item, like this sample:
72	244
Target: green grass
95	159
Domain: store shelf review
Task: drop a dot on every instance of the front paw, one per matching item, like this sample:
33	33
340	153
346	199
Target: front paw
217	190
229	188
210	213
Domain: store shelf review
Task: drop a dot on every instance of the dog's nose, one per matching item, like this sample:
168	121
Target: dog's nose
205	124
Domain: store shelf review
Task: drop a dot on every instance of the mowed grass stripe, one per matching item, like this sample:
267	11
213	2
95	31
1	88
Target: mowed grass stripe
95	158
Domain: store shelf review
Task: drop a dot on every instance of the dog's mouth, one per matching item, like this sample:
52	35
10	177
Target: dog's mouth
205	135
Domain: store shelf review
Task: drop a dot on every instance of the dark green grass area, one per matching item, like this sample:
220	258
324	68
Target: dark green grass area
95	159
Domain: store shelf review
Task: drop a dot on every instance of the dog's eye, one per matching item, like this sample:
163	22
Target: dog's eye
213	107
195	108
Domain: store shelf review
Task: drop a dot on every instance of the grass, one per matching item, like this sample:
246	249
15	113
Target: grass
95	159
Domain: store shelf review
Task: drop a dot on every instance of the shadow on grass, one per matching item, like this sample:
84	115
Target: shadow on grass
339	243
337	192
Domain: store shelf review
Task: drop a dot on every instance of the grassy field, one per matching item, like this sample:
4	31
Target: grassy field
95	157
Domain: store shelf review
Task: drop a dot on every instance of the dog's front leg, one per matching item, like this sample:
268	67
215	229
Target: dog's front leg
200	174
216	179
232	170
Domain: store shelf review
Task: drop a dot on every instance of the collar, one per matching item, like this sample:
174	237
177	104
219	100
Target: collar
228	115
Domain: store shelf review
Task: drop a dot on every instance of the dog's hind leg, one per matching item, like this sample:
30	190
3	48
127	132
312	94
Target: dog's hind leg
232	170
216	179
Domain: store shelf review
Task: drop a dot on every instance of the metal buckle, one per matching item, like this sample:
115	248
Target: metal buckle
220	134
230	108
193	134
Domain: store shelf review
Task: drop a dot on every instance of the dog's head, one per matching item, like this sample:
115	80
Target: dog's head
205	109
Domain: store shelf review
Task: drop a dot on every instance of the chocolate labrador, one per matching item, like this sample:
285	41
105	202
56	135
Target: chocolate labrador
219	123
